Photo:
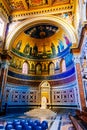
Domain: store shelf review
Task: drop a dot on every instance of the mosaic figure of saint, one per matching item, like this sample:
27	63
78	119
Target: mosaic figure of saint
68	43
53	49
30	51
58	49
35	50
27	49
60	46
18	46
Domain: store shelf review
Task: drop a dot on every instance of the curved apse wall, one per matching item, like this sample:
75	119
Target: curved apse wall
24	90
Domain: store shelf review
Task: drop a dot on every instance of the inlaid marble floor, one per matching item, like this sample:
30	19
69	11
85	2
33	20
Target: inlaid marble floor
60	121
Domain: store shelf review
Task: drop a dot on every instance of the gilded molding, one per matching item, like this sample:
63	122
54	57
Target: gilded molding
44	11
4	8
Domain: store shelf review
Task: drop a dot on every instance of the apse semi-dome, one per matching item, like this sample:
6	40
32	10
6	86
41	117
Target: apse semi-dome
42	31
41	41
41	53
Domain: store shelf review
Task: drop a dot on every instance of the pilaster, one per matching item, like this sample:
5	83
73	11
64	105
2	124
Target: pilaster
80	82
5	57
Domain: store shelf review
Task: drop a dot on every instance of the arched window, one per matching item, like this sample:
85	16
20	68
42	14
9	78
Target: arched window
25	68
51	68
63	65
38	69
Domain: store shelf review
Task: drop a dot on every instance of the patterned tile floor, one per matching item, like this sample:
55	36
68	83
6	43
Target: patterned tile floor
61	121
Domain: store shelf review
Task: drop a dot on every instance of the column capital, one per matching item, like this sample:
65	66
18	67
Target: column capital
77	59
5	64
5	55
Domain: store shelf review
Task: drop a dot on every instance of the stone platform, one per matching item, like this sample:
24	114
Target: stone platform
41	114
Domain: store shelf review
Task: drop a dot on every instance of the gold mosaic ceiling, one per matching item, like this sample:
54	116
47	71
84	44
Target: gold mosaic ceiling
16	5
18	9
22	9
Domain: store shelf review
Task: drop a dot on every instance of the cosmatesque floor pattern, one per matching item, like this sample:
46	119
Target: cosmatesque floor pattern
59	122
